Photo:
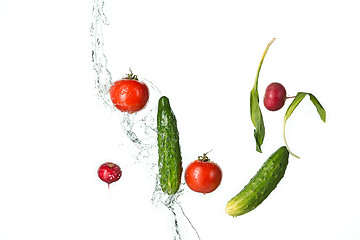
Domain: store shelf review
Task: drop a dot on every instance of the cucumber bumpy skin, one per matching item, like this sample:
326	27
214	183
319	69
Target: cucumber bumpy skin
170	167
261	185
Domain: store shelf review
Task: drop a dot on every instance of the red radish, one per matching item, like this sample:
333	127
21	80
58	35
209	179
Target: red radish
275	96
109	172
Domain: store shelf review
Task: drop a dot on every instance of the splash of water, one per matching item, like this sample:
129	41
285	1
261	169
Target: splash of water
99	60
182	226
140	127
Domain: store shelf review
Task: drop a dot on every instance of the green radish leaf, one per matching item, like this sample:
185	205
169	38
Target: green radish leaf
257	119
318	106
298	98
255	112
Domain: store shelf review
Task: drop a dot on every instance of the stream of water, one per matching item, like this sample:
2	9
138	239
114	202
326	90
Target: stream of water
139	128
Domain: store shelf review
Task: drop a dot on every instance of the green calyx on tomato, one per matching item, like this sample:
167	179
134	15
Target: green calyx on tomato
204	157
131	75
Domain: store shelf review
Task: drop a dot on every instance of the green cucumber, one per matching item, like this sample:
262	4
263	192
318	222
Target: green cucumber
261	185
169	164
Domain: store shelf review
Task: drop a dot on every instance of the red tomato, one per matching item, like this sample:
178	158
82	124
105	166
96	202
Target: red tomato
203	175
129	94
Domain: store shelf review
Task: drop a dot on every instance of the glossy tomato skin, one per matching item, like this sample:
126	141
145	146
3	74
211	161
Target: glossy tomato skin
203	176
109	172
129	95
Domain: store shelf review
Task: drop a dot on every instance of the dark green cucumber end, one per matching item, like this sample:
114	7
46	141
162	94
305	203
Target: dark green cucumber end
164	102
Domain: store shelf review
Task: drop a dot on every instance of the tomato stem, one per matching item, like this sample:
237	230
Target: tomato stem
204	158
131	75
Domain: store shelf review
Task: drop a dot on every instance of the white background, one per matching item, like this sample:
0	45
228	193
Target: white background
203	55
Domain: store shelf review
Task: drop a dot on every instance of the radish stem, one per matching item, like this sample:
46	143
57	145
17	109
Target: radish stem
286	142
